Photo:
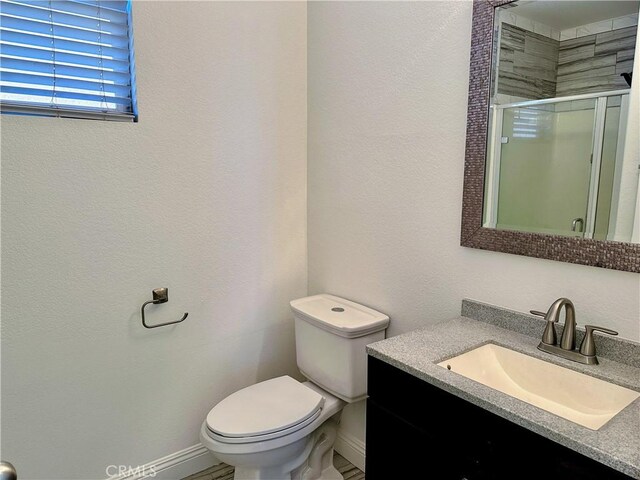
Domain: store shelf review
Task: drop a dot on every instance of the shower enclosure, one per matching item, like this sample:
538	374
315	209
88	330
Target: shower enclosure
555	165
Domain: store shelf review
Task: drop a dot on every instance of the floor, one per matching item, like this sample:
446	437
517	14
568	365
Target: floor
225	472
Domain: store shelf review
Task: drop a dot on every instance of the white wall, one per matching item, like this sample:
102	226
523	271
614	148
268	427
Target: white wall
206	195
388	88
627	221
208	198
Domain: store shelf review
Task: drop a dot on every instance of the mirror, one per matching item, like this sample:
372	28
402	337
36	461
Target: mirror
546	172
559	106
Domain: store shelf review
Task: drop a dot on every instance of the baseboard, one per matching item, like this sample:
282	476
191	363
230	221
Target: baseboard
172	467
351	448
197	458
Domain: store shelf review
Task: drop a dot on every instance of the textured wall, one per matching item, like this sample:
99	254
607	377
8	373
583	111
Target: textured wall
594	63
629	198
387	116
206	195
528	64
535	66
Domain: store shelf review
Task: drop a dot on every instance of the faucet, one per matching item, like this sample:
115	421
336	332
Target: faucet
587	352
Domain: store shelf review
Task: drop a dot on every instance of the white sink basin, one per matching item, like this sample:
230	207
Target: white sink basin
582	399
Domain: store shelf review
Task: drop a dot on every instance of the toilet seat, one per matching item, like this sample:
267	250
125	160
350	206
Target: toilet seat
223	447
261	438
263	411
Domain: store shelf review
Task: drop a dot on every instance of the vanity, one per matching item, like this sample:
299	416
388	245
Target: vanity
483	396
425	420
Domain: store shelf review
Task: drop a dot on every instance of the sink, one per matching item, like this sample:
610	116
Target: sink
577	397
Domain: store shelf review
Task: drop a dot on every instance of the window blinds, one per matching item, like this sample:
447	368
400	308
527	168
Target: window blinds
71	58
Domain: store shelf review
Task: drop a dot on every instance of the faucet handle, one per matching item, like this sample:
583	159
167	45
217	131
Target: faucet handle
549	336
588	346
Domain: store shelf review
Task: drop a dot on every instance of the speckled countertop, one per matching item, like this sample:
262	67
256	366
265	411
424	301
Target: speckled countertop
616	444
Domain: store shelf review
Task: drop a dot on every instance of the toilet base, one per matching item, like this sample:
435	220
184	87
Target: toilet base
319	463
329	473
313	462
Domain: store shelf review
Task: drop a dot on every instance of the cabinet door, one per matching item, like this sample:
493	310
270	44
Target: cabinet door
398	450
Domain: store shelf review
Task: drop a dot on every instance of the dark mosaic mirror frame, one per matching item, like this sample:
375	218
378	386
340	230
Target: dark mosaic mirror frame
605	254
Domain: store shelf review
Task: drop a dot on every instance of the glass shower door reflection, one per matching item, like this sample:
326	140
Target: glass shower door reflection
545	165
605	204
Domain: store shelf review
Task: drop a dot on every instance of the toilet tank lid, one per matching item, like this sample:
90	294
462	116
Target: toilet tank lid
340	316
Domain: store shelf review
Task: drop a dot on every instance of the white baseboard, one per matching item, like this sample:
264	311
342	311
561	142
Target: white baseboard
172	467
351	448
197	458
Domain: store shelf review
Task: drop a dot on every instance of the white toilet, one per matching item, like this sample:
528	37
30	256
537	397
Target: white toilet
284	429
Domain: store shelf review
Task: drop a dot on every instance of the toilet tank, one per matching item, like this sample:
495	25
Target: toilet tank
331	336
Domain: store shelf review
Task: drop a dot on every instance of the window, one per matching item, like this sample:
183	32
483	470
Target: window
67	58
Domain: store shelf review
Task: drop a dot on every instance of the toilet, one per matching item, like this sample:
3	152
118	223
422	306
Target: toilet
285	429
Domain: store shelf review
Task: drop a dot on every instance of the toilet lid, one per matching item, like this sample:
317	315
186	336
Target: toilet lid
263	408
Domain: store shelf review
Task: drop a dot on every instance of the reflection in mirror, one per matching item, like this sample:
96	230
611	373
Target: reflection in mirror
558	114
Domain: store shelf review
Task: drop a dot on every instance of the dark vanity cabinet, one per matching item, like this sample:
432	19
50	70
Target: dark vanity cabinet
418	431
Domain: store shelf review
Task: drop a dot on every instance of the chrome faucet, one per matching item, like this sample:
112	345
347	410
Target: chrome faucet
566	349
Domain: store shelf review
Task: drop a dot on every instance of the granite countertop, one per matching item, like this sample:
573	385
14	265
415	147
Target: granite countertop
616	444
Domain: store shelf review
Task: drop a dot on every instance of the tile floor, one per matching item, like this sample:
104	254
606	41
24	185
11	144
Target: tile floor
225	472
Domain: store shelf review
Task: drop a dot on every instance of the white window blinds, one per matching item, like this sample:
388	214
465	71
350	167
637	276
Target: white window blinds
71	58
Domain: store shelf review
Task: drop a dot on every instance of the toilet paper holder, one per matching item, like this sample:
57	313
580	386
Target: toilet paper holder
160	295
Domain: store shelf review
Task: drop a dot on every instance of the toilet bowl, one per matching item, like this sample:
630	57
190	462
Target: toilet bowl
282	429
274	455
